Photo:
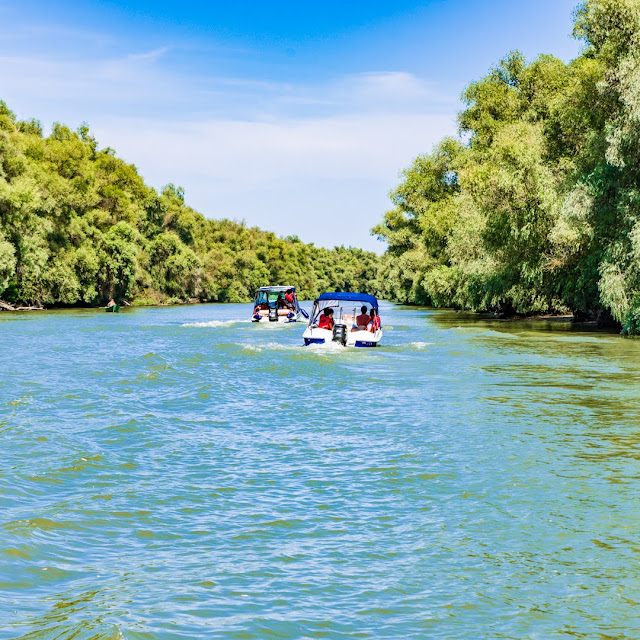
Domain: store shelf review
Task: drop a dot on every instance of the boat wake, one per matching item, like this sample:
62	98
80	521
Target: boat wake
315	349
214	324
269	346
420	345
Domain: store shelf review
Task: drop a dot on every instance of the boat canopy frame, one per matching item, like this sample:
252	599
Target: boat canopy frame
276	289
335	299
350	297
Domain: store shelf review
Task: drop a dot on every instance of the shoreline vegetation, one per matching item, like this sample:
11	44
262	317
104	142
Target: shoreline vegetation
533	210
535	207
481	315
79	227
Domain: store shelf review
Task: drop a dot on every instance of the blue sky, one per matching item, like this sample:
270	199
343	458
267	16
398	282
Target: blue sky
296	117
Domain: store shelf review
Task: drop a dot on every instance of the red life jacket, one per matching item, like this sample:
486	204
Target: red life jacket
289	297
375	324
325	323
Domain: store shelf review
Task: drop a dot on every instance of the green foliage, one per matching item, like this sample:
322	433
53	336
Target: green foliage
631	321
7	262
78	226
11	294
544	210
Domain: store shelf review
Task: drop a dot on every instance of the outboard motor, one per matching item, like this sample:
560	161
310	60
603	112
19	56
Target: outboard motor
340	334
273	314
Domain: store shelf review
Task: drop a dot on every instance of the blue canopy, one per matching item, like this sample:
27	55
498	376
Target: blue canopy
352	297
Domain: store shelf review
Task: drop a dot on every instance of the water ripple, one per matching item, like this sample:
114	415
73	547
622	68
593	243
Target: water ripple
180	473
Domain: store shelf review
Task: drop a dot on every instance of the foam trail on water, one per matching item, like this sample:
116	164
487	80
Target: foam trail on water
420	345
213	323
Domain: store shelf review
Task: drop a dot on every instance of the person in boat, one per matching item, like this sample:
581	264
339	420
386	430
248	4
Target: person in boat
374	323
111	303
362	320
280	302
289	298
326	320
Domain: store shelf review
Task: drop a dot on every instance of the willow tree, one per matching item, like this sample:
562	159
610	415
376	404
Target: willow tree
544	207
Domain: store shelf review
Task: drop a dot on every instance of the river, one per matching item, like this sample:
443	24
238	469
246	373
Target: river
182	473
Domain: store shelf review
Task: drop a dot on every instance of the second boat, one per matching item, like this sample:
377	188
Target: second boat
277	304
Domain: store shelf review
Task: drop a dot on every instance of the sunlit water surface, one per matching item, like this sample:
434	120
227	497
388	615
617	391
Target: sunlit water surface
182	473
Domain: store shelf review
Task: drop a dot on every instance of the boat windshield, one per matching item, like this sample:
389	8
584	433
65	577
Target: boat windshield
344	312
261	297
270	297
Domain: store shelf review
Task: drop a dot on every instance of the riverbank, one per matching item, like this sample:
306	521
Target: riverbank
149	303
601	323
6	306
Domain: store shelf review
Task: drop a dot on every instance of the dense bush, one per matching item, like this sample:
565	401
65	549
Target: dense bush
78	226
537	207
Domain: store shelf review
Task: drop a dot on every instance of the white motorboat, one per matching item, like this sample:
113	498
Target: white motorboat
277	304
334	319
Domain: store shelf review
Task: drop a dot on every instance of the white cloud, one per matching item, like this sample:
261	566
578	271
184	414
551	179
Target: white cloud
339	167
387	85
148	56
244	148
353	146
130	80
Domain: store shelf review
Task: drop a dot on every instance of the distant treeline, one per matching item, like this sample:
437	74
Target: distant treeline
78	226
536	207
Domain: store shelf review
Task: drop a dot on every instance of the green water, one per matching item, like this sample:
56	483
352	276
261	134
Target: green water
182	473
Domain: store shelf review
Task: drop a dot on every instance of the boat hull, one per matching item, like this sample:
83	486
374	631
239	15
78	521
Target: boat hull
282	319
361	339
